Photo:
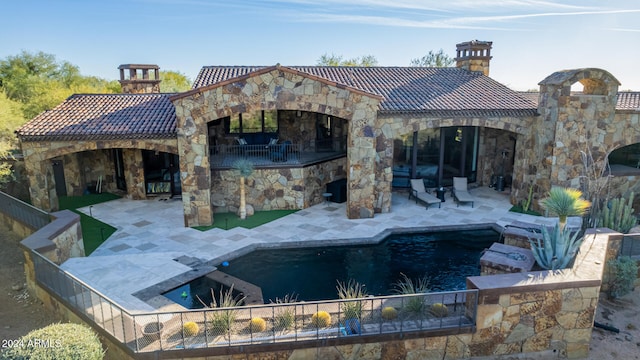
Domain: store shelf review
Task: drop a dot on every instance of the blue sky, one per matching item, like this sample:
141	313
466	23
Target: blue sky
531	38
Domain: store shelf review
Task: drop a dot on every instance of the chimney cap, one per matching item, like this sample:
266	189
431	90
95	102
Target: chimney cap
139	66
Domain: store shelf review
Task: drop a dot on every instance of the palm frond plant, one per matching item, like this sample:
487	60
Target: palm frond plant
406	286
351	290
245	169
565	202
556	249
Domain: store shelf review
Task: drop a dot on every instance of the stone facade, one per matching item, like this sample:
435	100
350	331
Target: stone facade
83	162
276	189
274	88
549	153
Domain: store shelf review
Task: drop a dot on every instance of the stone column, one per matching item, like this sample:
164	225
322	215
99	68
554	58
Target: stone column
361	155
383	168
41	184
134	174
195	171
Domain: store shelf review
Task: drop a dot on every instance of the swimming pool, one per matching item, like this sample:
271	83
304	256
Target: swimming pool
446	257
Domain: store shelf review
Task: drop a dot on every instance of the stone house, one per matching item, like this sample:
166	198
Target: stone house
358	130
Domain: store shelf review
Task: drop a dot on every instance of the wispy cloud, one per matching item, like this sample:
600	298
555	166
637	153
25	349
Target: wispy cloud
624	30
505	15
462	22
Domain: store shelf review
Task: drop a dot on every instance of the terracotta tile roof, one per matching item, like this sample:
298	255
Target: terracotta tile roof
627	100
432	91
103	117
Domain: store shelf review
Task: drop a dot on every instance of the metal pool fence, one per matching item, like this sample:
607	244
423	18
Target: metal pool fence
630	245
264	324
23	212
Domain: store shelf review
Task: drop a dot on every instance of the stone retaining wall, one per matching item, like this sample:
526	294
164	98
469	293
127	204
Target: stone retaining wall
276	189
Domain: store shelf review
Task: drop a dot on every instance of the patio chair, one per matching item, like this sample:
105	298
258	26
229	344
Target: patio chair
460	192
418	192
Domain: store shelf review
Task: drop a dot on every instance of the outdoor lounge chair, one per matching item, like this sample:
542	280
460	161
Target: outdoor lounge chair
418	192
460	192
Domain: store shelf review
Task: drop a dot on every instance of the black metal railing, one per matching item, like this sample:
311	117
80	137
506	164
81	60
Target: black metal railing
23	212
263	324
277	155
630	245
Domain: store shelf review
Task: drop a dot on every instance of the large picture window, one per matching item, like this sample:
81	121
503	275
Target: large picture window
264	121
436	156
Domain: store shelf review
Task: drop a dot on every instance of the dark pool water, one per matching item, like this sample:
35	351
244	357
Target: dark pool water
447	258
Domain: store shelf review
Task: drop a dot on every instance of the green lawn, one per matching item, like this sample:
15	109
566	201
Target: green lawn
228	221
94	232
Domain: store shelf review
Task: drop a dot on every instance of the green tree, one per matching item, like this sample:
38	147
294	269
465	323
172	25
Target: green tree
433	59
40	82
338	60
11	118
174	81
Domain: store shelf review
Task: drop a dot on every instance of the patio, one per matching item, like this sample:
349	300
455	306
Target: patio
152	245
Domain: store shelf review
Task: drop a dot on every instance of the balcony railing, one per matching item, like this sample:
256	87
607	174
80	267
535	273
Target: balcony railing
279	323
223	156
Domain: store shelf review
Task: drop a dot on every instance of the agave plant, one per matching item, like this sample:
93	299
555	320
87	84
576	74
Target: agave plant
565	202
556	249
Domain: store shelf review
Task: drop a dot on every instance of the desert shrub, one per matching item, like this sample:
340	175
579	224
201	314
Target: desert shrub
284	316
257	324
351	290
389	313
222	320
321	319
439	310
406	286
623	272
190	328
57	341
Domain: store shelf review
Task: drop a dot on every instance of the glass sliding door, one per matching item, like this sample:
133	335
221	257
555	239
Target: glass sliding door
436	155
428	156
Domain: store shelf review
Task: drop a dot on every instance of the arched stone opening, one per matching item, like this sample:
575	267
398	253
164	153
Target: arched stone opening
273	88
63	168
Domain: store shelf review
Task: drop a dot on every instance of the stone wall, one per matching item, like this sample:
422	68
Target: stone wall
276	189
490	162
59	240
84	168
569	123
37	156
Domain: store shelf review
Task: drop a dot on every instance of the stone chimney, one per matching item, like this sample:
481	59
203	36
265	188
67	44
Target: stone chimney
139	78
474	56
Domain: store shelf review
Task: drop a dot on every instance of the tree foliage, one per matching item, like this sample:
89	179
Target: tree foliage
35	82
433	59
174	81
338	60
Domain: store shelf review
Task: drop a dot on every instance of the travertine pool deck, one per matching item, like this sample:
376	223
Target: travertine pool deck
150	235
